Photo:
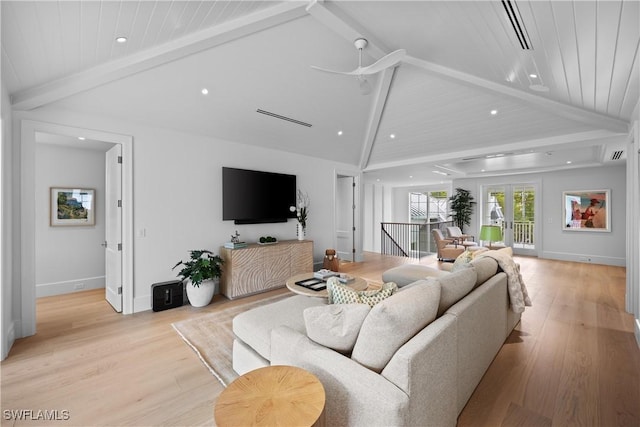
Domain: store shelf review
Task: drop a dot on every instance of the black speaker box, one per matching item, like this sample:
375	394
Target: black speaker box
166	295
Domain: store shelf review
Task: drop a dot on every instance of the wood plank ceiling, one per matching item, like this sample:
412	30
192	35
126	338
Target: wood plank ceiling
464	60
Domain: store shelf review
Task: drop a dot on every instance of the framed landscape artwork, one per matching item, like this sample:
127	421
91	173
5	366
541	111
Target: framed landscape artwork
72	206
586	210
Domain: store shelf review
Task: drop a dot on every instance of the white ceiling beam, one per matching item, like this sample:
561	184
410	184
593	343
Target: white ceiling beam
375	116
577	140
345	27
544	104
114	70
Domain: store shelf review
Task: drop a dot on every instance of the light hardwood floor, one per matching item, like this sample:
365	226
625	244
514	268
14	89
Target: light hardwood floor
572	360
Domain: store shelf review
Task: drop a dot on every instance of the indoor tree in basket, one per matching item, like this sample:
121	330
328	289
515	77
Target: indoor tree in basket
461	204
198	274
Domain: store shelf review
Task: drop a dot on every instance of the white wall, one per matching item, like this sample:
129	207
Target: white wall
554	243
8	316
68	258
633	223
178	193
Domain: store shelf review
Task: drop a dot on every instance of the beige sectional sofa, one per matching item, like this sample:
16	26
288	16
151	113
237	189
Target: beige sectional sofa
414	358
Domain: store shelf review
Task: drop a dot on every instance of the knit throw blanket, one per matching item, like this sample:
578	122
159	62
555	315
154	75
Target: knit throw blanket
518	295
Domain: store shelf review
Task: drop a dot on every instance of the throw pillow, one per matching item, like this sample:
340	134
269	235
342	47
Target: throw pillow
335	326
339	293
454	287
393	322
461	261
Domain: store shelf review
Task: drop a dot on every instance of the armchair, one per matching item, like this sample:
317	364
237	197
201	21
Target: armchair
447	248
463	239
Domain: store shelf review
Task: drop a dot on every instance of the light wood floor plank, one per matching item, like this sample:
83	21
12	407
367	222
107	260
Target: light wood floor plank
573	358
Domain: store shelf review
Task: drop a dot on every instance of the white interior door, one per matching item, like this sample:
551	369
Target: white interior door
113	227
345	213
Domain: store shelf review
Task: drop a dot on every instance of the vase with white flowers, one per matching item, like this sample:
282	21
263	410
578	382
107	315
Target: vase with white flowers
301	210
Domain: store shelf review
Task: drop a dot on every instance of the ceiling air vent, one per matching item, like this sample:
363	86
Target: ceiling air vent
278	116
617	155
516	22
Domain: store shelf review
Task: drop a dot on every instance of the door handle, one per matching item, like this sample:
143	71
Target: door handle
104	244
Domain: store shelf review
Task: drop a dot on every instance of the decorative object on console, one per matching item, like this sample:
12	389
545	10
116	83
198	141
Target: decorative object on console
235	242
301	210
199	272
461	204
267	240
491	233
72	206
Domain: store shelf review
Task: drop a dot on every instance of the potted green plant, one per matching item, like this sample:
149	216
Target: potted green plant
461	205
198	273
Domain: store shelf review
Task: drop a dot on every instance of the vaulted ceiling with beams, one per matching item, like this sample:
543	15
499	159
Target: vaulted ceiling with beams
472	97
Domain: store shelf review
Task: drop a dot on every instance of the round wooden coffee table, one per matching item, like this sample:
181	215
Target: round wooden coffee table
358	284
271	396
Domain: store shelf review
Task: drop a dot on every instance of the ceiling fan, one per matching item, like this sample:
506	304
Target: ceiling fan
361	72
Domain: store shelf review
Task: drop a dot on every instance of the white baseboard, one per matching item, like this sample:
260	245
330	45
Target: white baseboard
142	303
9	339
67	287
587	259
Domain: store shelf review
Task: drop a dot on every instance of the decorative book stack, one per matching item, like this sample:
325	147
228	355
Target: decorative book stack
324	274
235	245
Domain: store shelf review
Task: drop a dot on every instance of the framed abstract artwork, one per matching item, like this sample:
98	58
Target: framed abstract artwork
72	206
586	210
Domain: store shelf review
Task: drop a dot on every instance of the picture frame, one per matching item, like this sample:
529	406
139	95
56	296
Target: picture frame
71	206
586	210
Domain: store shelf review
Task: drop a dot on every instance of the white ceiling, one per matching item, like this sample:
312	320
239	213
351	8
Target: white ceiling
463	61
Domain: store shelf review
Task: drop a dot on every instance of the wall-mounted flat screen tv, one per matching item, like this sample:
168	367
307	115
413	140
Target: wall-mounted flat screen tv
254	197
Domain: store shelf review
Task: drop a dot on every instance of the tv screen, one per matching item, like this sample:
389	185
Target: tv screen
253	197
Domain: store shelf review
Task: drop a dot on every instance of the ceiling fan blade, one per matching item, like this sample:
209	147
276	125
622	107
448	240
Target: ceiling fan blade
385	62
346	73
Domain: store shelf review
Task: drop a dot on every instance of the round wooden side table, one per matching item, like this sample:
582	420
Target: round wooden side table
271	396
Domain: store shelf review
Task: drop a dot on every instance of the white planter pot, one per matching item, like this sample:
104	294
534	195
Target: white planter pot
300	232
200	296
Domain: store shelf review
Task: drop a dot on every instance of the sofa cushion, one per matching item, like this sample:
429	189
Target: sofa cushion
455	286
254	326
339	293
336	325
485	268
395	321
409	273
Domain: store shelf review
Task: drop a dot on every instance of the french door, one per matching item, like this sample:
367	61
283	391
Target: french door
513	207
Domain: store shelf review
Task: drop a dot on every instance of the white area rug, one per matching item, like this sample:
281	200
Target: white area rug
211	337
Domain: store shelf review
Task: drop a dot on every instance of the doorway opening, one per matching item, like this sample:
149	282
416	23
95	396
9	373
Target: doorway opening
513	207
348	237
28	261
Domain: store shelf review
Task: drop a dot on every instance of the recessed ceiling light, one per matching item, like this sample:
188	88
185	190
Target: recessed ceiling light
378	179
568	162
392	136
205	91
339	133
121	39
494	112
533	76
81	138
410	176
482	170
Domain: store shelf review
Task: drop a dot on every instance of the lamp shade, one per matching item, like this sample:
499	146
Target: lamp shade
491	233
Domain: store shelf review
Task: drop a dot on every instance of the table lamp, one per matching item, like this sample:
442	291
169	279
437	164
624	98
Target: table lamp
491	233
